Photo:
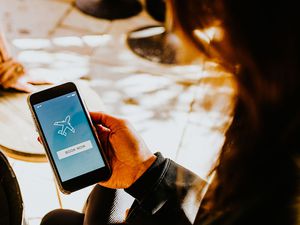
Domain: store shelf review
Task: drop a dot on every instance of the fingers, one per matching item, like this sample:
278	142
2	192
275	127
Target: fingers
24	87
107	120
101	129
38	80
4	66
103	135
9	83
7	73
10	72
12	76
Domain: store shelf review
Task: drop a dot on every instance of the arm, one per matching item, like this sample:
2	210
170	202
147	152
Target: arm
164	192
4	53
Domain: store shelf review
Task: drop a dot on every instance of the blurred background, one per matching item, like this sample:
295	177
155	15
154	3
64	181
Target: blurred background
125	57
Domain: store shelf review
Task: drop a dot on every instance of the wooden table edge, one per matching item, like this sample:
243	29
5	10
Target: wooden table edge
23	156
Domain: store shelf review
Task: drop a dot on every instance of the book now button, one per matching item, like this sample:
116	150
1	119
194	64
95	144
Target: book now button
75	149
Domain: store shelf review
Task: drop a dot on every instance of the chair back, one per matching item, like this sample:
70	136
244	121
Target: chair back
11	204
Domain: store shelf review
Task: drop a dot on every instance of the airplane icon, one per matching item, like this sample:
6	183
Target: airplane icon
65	125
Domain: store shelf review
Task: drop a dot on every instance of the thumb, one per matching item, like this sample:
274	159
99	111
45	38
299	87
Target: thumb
103	135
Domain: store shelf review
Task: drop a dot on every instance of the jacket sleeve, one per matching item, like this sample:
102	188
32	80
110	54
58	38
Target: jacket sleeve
166	194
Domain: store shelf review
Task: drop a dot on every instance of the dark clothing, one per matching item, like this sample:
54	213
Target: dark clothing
166	194
11	203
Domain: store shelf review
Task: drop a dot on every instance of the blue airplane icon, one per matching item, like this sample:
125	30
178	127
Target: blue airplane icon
65	125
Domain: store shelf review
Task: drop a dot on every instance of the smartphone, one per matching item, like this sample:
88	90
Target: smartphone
69	137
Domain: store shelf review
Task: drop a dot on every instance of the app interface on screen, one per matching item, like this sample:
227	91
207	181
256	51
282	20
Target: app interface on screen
69	136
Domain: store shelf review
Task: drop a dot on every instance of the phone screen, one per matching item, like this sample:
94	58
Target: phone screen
69	136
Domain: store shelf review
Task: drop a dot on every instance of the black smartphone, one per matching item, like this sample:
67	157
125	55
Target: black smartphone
69	137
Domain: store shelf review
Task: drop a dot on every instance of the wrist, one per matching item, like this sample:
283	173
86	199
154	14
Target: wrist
146	182
145	166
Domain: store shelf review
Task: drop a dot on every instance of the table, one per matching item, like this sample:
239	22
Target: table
18	137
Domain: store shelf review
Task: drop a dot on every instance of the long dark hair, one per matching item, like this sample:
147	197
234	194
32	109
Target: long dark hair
257	171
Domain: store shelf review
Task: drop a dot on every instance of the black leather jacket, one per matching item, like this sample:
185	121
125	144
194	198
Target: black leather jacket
169	194
166	194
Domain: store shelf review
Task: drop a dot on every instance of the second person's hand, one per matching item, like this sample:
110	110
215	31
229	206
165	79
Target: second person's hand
128	154
14	76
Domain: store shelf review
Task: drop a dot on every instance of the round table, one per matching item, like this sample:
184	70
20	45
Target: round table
18	136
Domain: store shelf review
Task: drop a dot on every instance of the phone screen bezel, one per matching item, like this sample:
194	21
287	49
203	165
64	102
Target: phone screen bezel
86	179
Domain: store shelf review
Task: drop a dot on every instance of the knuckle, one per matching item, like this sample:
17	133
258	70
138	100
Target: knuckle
124	122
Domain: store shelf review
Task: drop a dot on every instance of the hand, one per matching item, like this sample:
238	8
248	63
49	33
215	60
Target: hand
128	154
13	75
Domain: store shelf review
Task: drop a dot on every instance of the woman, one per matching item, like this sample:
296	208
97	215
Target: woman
257	175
